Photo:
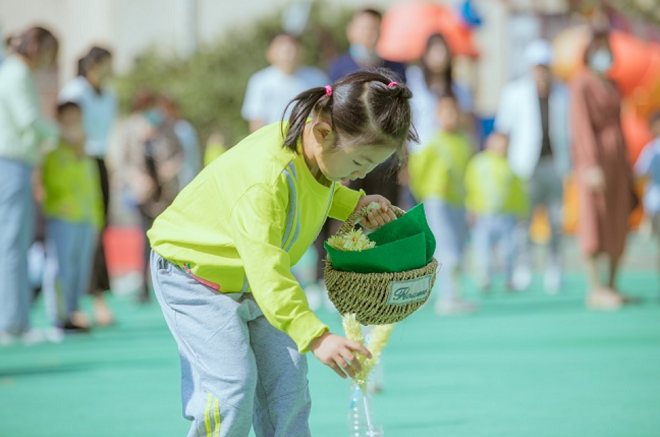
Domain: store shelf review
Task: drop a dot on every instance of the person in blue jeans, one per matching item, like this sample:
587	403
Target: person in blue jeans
648	166
22	131
73	207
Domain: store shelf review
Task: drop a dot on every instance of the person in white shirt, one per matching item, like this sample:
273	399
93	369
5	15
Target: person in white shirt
270	90
534	113
23	130
99	108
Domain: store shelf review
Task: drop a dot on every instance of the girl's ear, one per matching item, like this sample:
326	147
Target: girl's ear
323	133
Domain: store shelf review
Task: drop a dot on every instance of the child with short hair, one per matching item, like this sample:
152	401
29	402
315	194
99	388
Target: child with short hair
496	200
437	174
223	251
73	207
648	166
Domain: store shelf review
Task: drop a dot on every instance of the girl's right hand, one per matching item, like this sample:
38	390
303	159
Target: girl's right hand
337	352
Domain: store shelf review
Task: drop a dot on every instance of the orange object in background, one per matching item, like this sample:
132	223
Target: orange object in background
540	227
631	61
123	249
570	213
407	26
645	98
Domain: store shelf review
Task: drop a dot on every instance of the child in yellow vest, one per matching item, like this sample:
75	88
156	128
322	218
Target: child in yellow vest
496	201
223	252
73	208
437	173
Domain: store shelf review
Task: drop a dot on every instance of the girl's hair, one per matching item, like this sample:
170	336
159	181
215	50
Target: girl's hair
598	37
94	57
366	107
65	106
33	42
434	39
369	11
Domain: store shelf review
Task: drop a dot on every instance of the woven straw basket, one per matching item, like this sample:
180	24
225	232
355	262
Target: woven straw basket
378	298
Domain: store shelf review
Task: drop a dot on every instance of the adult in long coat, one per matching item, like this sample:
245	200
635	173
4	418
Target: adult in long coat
604	175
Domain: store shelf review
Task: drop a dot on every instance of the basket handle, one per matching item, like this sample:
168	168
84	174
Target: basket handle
360	214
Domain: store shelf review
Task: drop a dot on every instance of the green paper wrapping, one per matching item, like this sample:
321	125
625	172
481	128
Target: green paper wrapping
398	256
404	244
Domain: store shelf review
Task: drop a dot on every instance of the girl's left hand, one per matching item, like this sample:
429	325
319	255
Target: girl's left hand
377	217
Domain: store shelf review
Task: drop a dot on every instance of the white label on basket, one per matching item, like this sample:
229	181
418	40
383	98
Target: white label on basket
410	291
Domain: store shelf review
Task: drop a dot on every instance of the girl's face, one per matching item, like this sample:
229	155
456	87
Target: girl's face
71	127
352	162
437	57
101	72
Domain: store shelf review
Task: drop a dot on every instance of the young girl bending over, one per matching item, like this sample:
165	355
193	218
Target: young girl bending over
222	254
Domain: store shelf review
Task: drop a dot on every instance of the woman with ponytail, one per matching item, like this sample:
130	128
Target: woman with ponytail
223	252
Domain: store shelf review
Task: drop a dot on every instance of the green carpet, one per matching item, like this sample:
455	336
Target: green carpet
526	365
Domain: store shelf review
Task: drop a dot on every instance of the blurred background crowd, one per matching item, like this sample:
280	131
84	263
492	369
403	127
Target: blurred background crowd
538	122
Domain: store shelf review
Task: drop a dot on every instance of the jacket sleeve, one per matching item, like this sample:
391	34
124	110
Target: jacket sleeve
506	115
257	226
585	148
254	102
344	201
26	110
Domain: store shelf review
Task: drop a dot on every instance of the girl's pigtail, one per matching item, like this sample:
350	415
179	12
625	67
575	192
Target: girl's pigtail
304	104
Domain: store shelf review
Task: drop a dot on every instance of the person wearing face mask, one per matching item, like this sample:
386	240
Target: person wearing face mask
23	130
270	90
604	175
533	112
363	33
98	103
151	162
73	207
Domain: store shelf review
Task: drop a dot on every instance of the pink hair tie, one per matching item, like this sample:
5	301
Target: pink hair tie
328	90
392	84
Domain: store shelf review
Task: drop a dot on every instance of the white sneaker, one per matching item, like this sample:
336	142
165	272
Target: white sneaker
552	279
54	335
521	278
454	307
7	339
33	336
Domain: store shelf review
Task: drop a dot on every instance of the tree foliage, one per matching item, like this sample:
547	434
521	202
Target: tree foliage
209	87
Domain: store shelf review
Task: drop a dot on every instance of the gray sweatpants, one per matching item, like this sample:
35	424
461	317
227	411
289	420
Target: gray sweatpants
237	370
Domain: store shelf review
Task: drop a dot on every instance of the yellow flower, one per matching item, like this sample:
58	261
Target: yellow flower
354	241
378	338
